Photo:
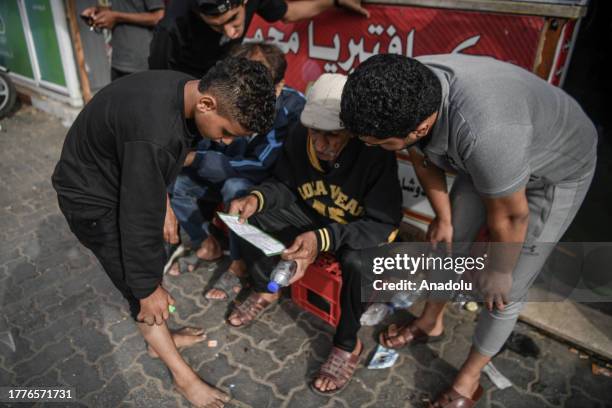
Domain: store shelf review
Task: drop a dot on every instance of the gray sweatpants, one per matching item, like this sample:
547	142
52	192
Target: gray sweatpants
551	210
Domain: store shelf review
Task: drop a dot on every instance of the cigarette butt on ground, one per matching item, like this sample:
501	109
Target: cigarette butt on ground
171	308
212	343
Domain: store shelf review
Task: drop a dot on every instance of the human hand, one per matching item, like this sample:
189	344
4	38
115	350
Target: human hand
303	251
494	287
154	308
354	6
440	231
87	15
105	18
245	207
189	159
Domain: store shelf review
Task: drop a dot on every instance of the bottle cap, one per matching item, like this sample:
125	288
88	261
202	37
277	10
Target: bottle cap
273	287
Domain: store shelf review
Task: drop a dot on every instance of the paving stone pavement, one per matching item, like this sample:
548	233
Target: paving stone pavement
71	328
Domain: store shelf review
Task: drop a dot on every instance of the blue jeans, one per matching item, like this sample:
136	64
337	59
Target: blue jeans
188	189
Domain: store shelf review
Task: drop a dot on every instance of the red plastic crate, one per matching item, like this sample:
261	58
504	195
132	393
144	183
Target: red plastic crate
319	290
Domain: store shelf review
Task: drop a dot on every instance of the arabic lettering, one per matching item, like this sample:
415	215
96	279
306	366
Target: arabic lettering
389	37
321	52
412	187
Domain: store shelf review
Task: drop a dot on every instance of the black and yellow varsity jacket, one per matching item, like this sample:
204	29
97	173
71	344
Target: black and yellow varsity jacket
358	199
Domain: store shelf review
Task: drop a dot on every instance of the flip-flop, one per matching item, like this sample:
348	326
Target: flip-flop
195	261
226	283
173	251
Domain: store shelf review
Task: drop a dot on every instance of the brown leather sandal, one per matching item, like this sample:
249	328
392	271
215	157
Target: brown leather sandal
394	337
452	399
338	368
249	310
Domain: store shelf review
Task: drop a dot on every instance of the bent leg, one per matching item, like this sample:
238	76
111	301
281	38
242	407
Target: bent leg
185	195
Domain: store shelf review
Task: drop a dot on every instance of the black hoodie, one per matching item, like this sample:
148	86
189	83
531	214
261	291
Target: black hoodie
125	147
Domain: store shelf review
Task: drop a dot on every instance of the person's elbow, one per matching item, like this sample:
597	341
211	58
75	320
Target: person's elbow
157	15
515	220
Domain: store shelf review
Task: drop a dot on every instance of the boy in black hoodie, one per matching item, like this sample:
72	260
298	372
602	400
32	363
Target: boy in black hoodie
123	150
331	193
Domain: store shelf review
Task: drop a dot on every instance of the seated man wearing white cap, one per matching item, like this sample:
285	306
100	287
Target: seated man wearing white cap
330	193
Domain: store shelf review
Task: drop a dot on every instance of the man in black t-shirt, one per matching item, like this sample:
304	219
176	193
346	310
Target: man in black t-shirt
123	150
131	22
194	34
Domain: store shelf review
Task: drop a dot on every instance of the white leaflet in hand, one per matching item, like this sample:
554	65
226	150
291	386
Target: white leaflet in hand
268	245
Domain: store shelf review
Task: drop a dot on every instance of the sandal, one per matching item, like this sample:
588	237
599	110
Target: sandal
227	283
338	368
194	261
249	310
452	399
173	252
395	338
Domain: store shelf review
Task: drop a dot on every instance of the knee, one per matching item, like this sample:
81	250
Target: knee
181	187
235	187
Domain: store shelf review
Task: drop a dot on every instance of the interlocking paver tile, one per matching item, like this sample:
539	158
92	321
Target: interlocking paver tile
71	326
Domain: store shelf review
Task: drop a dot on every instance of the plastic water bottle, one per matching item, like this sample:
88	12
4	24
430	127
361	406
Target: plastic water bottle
403	300
375	314
281	275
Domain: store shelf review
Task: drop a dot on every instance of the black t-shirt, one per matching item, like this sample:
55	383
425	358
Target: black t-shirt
123	150
184	42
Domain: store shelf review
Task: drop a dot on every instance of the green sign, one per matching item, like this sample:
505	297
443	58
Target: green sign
13	49
48	54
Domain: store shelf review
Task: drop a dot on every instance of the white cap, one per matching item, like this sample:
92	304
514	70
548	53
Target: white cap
322	109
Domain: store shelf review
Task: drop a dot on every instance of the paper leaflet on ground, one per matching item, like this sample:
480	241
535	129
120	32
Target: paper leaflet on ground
268	245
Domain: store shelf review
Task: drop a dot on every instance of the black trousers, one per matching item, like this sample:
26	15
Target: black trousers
287	223
97	229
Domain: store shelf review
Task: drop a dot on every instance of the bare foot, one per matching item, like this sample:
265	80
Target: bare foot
202	395
174	270
238	268
185	337
325	384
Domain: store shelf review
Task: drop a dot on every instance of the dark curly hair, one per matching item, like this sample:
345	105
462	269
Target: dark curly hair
272	57
244	92
389	95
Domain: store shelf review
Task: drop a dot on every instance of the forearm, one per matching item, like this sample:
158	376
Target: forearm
433	181
303	9
361	234
148	19
507	235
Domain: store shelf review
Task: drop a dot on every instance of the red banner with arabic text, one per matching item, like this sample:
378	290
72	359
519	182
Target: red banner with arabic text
338	41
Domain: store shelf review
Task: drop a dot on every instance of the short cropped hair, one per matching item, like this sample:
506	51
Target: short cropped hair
244	92
389	95
272	56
